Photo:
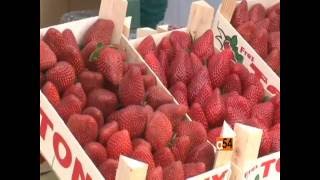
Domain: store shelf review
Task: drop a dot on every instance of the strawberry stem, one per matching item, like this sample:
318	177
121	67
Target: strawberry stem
95	55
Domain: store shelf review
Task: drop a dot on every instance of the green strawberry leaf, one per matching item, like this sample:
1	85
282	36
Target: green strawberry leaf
234	40
239	58
95	55
266	98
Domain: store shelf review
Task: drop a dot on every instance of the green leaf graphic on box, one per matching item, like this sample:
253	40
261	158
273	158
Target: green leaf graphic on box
228	38
239	58
234	40
257	177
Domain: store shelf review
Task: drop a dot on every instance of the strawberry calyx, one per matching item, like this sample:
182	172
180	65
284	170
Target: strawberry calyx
95	55
173	140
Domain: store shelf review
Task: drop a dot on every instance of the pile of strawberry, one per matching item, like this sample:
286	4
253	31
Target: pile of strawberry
115	108
212	85
260	27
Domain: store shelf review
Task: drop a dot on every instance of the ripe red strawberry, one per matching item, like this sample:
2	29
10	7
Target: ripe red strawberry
62	75
163	157
115	148
180	93
214	109
274	17
266	142
149	110
247	30
260	42
196	113
109	168
143	68
155	174
276	117
264	23
70	38
181	148
198	81
180	68
219	67
274	40
104	100
233	83
96	114
131	88
213	134
55	41
73	56
241	14
276	100
141	153
51	93
47	57
203	47
264	113
100	31
83	127
204	94
68	105
182	39
254	93
196	63
149	80
173	112
195	130
163	58
156	96
132	118
146	46
141	142
166	46
42	79
275	134
155	65
238	109
174	171
159	130
77	90
203	152
193	169
241	70
257	12
109	62
86	52
107	131
251	80
90	80
273	60
96	152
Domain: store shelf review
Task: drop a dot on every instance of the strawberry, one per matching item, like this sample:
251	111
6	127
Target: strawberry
196	113
62	75
264	23
55	41
109	62
276	101
180	93
174	171
233	83
131	88
203	152
214	109
276	116
252	79
104	100
73	56
47	57
155	174
77	90
159	130
51	93
264	113
173	112
257	12
272	8
155	65
146	46
266	142
166	46
182	39
90	80
275	134
132	118
100	31
96	152
238	109
254	93
96	114
163	157
241	71
205	93
181	148
193	169
107	130
274	17
260	42
83	127
180	68
203	47
241	14
196	63
115	148
70	38
149	80
108	169
219	67
149	110
141	142
195	130
273	60
198	81
68	105
42	79
274	40
86	52
141	153
156	96
143	68
247	30
163	58
213	134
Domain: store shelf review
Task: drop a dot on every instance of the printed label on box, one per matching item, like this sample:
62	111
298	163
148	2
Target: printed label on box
221	173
